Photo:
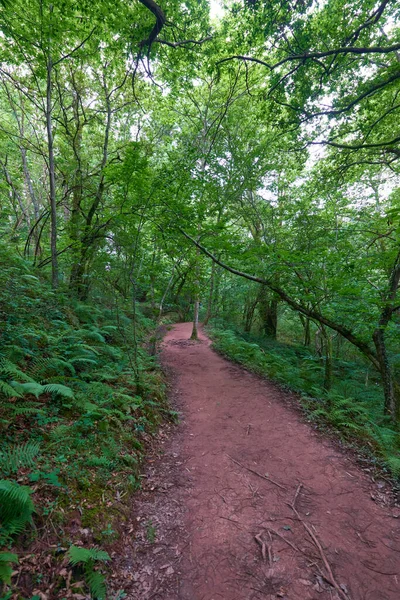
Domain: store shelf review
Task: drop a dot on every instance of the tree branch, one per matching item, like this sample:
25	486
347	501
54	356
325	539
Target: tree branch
310	55
159	24
311	313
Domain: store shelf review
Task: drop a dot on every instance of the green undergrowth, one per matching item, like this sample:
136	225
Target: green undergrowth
353	405
79	398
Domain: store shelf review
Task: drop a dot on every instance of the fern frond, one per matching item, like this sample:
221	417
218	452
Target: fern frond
46	366
78	555
32	409
96	583
6	560
27	388
83	361
16	507
7	390
11	371
20	455
93	335
58	389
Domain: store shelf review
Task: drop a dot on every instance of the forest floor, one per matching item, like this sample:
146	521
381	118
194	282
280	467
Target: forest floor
245	500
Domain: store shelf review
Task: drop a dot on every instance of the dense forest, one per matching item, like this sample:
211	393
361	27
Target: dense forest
233	165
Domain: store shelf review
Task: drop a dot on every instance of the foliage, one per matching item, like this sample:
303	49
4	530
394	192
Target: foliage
6	561
88	557
152	161
16	508
22	455
75	408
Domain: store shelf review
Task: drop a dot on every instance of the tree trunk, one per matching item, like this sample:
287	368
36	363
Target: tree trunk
210	295
268	307
79	270
307	330
390	388
50	148
248	316
165	293
195	335
328	371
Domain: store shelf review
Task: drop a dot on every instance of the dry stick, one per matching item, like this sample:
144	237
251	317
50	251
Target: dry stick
258	474
269	548
331	579
285	540
261	542
231	520
296	495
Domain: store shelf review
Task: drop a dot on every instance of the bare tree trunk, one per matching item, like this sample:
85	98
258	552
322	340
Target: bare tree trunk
166	292
195	335
79	271
15	195
307	330
248	316
268	308
328	362
210	295
50	148
390	388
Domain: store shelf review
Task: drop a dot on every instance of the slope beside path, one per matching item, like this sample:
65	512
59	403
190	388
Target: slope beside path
249	502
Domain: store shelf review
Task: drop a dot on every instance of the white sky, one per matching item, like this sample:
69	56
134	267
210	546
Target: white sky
216	9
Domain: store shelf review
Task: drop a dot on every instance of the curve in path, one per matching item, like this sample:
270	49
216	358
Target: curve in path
233	534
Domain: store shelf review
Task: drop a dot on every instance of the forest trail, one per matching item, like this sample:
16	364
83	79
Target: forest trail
214	530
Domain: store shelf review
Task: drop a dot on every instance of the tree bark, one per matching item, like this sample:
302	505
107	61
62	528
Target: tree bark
210	295
50	146
195	330
268	307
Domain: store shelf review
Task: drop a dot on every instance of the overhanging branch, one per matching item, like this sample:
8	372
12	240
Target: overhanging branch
159	24
310	313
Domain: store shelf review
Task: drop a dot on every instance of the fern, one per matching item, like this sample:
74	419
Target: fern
36	389
33	388
20	455
87	557
78	555
16	508
6	560
96	582
59	390
93	335
80	360
32	408
10	371
45	366
7	390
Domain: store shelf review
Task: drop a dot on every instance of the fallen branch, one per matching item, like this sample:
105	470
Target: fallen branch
258	474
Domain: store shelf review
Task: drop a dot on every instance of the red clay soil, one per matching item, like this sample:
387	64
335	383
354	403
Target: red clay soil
211	528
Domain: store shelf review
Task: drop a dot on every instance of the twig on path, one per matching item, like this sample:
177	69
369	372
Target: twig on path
260	541
264	549
257	473
285	540
220	495
231	520
330	578
296	495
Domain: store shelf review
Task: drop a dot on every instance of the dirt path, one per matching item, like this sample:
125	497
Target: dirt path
201	511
